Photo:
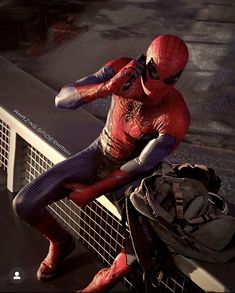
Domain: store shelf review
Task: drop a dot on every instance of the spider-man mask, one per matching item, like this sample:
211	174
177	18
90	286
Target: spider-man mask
166	58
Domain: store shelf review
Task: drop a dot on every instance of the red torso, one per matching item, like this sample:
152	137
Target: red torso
131	124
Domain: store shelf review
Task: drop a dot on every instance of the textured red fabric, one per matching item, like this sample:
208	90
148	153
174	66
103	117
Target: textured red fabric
170	56
107	277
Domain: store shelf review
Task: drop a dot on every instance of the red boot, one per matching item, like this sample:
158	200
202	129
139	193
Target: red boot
61	244
108	277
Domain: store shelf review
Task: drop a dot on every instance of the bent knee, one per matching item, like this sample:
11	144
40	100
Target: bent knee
22	208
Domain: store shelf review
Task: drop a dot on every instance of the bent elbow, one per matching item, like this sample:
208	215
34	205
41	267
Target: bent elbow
67	98
61	103
58	103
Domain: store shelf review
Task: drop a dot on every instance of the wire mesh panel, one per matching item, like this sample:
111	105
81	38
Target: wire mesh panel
94	225
170	279
36	164
101	231
4	144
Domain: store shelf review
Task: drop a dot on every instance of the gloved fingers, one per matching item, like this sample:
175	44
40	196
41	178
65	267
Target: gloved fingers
141	64
130	81
135	71
126	72
134	67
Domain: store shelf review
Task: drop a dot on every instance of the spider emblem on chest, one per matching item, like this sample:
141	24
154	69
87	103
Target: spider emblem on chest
131	110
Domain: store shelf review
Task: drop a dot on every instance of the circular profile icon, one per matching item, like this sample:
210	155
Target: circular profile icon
16	275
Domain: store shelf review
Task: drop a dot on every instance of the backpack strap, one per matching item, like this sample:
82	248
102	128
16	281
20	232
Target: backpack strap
203	219
140	246
178	200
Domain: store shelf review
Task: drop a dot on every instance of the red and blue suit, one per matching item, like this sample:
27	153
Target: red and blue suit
147	120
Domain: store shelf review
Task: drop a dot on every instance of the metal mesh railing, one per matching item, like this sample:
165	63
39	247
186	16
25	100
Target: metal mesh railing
172	280
4	144
36	164
95	226
100	230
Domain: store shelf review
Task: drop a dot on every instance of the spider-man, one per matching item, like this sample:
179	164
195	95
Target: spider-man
147	120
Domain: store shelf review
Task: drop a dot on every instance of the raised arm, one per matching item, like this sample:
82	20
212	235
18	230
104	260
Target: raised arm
90	87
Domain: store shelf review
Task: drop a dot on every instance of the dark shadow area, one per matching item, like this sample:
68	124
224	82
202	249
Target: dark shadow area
31	25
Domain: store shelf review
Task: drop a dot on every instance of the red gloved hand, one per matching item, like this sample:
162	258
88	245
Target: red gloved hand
126	83
82	194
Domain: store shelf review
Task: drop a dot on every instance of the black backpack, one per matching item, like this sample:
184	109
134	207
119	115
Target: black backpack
183	212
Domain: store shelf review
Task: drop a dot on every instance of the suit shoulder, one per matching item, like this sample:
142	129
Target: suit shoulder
178	107
177	99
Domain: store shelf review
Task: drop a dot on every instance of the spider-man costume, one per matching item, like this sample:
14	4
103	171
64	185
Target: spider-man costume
147	119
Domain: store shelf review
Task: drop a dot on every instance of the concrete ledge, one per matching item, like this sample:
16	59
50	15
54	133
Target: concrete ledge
210	277
32	102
